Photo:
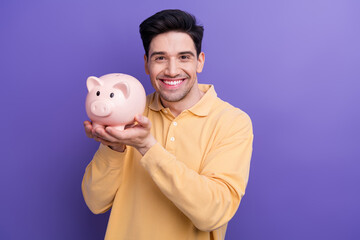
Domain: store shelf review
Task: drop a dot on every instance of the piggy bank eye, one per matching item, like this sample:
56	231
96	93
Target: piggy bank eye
98	93
111	95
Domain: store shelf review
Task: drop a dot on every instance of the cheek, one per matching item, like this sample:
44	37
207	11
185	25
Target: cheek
153	69
153	77
191	70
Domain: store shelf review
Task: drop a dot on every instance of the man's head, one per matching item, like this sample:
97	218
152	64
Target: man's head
171	20
173	57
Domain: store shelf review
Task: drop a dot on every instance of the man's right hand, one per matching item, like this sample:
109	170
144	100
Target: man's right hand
91	133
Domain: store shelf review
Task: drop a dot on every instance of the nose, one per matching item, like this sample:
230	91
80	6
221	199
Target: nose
101	108
172	68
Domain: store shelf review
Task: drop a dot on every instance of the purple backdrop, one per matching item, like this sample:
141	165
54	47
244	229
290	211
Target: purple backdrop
293	66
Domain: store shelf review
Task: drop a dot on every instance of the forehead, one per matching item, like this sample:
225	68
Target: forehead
172	42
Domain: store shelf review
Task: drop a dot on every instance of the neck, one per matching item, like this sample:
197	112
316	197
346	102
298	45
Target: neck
187	102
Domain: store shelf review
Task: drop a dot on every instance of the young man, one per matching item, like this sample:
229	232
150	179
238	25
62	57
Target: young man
181	172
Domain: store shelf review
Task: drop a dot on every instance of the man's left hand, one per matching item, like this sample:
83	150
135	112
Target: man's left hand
138	135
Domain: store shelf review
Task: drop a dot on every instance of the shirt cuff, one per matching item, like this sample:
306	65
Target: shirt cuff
111	158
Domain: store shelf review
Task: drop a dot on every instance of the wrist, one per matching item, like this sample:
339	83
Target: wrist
119	148
151	142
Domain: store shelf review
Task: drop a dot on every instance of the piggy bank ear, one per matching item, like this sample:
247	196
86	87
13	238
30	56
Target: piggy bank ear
92	82
124	88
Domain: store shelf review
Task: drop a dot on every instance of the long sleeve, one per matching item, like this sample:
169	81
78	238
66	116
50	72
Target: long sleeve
102	179
211	196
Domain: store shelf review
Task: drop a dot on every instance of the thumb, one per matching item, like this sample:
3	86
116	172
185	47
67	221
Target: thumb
143	121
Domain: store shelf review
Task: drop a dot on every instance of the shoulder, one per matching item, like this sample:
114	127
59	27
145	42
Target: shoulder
227	112
230	119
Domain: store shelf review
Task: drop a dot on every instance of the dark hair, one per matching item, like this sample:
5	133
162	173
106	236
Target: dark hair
171	20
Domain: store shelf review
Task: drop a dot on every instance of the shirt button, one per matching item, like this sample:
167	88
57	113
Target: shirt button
165	111
172	139
175	123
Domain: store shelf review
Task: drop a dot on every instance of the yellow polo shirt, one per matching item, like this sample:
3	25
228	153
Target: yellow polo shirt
187	186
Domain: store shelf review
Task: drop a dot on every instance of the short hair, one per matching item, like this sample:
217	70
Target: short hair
171	20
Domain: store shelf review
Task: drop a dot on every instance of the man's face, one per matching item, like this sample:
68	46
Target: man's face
172	66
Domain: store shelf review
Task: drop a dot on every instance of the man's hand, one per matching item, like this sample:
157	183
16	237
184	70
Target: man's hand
90	133
137	135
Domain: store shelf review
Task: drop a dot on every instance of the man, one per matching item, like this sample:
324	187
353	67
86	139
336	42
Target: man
181	172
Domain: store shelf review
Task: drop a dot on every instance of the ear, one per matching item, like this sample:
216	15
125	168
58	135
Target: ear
200	62
124	88
146	66
92	82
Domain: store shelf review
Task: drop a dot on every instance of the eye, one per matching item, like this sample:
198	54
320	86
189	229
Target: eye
111	95
160	58
98	93
184	57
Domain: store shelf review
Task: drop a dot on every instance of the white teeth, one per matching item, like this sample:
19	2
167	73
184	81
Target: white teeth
173	83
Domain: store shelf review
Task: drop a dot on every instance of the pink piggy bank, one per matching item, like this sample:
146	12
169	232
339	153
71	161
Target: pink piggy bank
114	100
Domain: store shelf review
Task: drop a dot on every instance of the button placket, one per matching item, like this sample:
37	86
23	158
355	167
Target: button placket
171	133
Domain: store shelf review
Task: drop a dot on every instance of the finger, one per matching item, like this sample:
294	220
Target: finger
124	135
143	121
131	125
102	140
101	133
88	129
115	133
87	124
107	142
98	139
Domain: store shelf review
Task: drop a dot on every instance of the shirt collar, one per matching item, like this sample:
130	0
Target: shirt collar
201	108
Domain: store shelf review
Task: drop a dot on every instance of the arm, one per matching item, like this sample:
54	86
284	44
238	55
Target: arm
102	176
211	197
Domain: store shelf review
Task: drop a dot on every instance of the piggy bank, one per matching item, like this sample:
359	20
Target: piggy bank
114	100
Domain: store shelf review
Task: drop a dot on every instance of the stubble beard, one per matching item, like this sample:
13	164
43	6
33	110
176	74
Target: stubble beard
174	98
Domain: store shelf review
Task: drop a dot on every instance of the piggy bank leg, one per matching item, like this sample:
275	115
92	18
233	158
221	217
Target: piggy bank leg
120	127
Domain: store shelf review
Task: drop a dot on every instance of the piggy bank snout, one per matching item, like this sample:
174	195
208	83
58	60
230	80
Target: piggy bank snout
101	108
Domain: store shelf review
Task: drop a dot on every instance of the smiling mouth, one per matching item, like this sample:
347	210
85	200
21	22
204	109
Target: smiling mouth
172	82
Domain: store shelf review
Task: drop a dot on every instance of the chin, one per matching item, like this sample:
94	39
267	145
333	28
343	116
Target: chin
173	97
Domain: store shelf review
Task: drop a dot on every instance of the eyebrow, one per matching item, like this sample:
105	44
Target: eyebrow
180	53
187	52
157	53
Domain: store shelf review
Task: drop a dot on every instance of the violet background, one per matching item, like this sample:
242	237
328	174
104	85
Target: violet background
293	66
